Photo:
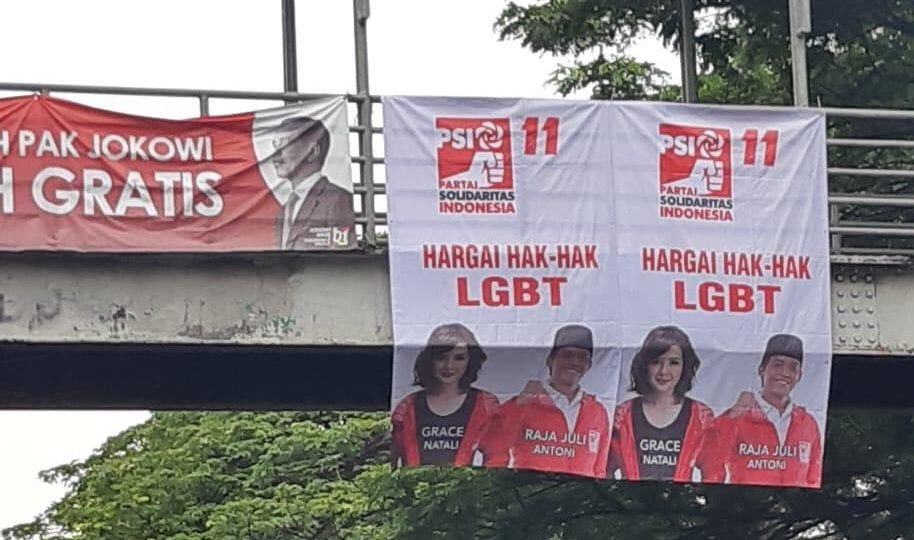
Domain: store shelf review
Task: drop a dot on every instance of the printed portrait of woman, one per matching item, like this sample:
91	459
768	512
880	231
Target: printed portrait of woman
658	434
442	422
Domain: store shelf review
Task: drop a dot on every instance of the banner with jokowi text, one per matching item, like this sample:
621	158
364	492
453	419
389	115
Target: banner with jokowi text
615	290
82	179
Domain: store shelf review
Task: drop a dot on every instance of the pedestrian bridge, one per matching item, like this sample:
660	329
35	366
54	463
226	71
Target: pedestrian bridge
283	330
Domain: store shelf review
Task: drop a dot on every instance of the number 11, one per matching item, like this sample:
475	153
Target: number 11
531	131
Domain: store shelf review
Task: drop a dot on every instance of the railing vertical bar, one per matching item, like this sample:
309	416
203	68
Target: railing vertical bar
204	104
360	14
834	216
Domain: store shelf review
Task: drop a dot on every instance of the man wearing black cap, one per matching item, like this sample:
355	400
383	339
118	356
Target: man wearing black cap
554	426
765	438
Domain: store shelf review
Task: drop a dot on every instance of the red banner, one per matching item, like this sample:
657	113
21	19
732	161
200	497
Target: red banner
77	178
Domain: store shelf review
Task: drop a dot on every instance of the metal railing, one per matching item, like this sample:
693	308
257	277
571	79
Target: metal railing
873	194
372	223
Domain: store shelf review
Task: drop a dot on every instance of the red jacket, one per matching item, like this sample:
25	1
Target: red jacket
624	455
530	432
745	444
405	447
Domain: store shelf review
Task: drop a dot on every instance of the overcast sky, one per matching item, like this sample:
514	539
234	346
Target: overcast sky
416	47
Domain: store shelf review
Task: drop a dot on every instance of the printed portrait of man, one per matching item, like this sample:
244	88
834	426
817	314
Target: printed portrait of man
766	438
318	213
553	425
304	160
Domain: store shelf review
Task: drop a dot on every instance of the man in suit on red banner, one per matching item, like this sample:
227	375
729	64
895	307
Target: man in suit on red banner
318	213
553	426
765	438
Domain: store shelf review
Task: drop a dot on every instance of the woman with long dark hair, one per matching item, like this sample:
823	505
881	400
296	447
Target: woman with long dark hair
658	434
442	423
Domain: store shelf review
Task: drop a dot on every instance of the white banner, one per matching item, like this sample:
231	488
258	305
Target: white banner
723	234
541	249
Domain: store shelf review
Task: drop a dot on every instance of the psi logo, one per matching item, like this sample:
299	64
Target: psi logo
593	440
475	174
696	174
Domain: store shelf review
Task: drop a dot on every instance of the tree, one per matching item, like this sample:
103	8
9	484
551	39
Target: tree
857	57
196	476
222	476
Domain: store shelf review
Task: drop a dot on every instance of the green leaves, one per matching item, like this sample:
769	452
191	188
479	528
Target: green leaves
252	476
620	78
857	57
221	476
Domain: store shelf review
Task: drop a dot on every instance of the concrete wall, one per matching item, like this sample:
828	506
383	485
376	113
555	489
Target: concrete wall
267	299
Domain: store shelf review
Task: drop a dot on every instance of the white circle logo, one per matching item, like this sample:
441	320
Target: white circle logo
710	144
489	136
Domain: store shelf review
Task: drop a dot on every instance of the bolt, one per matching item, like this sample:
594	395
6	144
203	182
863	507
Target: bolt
857	339
840	294
871	310
856	309
854	278
839	278
841	324
841	309
855	293
869	278
856	324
